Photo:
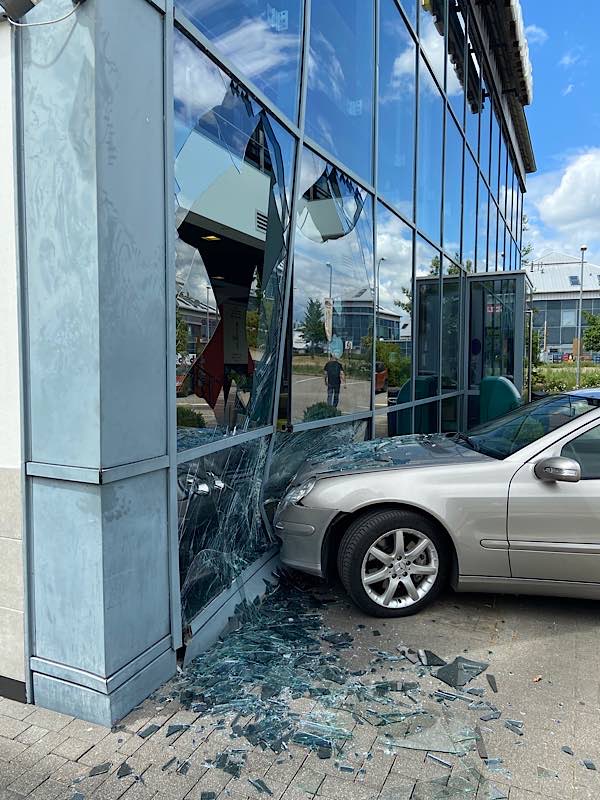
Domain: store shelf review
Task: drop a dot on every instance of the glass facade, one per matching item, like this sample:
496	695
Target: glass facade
332	220
556	324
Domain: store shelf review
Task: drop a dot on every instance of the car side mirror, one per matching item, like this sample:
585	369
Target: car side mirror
558	469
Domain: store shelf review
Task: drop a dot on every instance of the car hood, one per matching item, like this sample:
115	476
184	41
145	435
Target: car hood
398	452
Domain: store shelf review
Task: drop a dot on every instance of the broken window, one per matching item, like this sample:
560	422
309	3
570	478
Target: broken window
233	170
221	531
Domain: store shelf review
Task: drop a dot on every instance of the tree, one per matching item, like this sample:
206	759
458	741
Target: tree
591	335
252	322
527	249
313	325
181	333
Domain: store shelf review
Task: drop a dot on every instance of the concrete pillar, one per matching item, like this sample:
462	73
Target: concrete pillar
12	659
96	381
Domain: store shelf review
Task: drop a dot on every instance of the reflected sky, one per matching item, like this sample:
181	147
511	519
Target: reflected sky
397	69
429	158
340	81
262	38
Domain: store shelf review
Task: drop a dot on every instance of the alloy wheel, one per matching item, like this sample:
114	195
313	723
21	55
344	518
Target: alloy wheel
400	568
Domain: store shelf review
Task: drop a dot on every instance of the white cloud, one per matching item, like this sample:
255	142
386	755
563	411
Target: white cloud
535	34
568	89
564	207
569	59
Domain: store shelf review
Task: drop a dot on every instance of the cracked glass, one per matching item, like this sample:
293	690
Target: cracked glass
233	168
221	531
333	294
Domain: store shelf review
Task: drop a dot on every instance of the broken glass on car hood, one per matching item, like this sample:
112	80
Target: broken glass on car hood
416	450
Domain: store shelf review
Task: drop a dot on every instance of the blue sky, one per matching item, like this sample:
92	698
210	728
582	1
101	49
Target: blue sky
563	199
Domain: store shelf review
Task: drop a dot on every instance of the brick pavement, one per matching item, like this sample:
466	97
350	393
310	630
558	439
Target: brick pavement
48	756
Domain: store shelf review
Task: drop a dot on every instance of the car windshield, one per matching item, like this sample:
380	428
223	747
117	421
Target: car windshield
511	432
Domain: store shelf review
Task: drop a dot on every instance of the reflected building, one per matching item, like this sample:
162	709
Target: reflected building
303	228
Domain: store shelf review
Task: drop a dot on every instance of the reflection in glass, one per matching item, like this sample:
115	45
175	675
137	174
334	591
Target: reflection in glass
493	236
495	156
426	418
397	108
451	407
453	188
339	105
262	38
492	329
429	158
474	103
396	423
431	34
220	525
503	185
482	226
333	294
393	349
232	170
469	214
484	131
427	320
451	326
456	69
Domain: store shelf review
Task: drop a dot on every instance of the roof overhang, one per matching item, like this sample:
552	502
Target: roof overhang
506	31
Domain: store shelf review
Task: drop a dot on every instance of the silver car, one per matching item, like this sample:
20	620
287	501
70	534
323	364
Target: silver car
512	507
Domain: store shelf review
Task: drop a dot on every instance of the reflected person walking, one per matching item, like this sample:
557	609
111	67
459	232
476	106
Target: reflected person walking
334	373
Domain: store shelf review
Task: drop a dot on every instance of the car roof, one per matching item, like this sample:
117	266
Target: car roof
594	393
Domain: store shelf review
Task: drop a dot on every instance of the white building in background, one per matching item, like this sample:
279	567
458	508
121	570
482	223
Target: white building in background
556	279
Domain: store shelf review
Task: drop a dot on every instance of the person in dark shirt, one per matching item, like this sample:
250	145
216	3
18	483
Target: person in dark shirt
334	372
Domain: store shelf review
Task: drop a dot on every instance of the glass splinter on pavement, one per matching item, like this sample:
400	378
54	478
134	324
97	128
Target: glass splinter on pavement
546	773
491	679
460	672
279	679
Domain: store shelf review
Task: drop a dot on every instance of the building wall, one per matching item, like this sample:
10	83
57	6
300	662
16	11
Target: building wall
12	661
556	320
281	215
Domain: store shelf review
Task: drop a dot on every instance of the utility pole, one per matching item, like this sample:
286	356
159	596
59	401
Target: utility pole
580	318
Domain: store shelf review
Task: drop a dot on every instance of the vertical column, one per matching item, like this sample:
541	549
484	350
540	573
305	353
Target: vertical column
94	141
12	659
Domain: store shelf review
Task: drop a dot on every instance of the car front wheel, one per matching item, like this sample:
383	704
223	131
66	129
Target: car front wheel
393	563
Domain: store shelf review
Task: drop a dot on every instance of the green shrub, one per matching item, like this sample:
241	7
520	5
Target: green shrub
320	411
188	418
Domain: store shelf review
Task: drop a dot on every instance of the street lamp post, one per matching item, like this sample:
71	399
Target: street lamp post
580	318
329	265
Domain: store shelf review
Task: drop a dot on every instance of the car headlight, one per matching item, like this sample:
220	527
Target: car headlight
297	493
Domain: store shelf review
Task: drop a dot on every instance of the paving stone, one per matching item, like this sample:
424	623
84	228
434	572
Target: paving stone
36	752
397	788
338	789
169	782
10	748
105	749
50	789
11	708
51	720
32	734
139	791
10	727
72	748
9	773
28	781
70	771
87	731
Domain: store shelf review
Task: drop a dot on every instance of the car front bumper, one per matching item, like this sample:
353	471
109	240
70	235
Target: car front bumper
302	531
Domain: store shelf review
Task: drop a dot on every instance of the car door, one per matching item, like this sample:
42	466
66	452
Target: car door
553	526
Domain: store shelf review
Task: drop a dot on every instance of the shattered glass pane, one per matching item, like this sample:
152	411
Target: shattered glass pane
460	672
233	168
221	531
293	451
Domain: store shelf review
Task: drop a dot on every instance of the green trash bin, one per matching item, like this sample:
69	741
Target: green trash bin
497	396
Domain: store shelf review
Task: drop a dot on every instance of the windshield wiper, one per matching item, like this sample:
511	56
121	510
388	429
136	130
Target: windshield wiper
462	437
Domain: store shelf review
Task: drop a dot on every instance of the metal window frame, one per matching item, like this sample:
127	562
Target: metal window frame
179	21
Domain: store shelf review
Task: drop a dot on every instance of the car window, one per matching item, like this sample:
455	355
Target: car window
512	432
586	450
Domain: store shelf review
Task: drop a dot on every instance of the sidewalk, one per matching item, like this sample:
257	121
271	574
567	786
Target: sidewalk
543	653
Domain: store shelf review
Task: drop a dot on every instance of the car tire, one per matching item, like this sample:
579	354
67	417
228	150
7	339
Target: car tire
375	530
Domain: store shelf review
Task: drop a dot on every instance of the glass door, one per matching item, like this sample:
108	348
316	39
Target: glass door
495	336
